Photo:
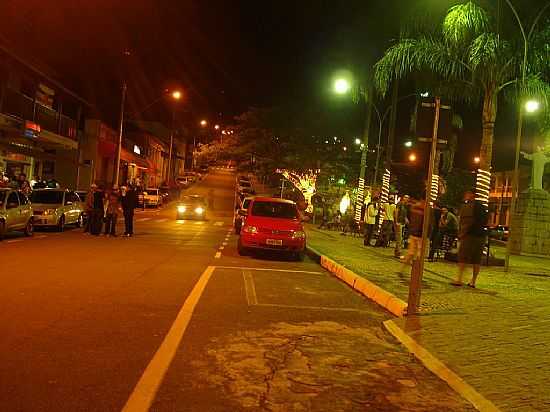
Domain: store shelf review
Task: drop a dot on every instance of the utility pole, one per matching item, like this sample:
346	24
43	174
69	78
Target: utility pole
361	187
418	265
393	120
169	174
120	129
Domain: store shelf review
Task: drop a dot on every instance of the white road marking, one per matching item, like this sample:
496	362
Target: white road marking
218	255
161	220
249	288
41	236
269	270
143	219
276	305
199	222
14	240
218	224
147	387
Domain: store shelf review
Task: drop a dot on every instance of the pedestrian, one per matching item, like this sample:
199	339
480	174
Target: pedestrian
401	220
24	185
416	223
97	211
89	208
388	215
370	221
472	235
112	210
448	226
128	201
435	233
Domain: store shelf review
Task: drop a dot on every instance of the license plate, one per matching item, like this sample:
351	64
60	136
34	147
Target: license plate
274	242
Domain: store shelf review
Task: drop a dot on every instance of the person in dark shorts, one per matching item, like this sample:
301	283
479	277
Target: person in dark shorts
472	235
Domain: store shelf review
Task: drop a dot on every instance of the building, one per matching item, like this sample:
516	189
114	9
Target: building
500	195
40	123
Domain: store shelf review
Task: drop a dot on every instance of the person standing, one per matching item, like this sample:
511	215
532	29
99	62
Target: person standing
416	223
435	233
370	221
89	208
388	211
128	201
112	211
473	237
448	225
24	185
97	213
401	220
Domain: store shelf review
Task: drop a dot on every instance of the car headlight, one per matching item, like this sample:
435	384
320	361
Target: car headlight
199	210
250	229
298	234
181	209
49	212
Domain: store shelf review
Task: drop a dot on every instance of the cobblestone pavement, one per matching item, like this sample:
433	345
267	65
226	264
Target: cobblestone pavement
496	337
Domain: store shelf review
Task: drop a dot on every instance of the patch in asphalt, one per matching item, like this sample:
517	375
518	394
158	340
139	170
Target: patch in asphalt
320	366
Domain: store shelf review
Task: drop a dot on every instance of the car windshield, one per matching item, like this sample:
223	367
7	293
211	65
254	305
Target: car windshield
189	200
47	197
152	191
244	184
274	209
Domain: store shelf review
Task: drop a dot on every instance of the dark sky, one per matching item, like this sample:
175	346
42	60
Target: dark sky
227	55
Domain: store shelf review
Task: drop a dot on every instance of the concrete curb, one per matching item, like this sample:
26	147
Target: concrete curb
439	369
375	293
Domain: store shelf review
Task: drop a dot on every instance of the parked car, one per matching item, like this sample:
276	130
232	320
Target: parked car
56	208
240	214
83	194
203	168
152	197
184	181
191	207
244	186
15	212
273	224
499	232
192	176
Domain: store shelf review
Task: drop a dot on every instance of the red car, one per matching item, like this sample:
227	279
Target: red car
273	224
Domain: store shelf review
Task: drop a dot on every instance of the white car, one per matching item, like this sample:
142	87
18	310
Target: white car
56	208
152	197
244	186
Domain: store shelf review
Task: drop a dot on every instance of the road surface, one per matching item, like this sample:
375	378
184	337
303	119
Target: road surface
174	320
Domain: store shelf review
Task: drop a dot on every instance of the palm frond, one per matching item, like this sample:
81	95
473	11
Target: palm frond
535	87
415	55
463	22
492	59
539	50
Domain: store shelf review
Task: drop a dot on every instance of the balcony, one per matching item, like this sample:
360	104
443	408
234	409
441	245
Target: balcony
24	108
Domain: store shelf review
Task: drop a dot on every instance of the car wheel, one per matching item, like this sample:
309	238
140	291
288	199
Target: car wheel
241	249
61	224
2	229
29	228
79	221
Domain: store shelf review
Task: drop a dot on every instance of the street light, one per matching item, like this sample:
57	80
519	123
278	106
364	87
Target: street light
412	157
217	127
204	123
176	95
341	86
408	143
531	106
357	141
477	159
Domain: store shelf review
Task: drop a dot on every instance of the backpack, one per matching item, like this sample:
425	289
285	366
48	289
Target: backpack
479	224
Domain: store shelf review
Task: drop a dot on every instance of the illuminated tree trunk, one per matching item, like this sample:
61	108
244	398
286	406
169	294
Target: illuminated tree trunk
488	118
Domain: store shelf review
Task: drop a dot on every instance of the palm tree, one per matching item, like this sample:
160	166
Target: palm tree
471	62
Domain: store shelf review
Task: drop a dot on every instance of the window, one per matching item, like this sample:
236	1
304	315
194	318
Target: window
51	197
69	197
275	209
13	201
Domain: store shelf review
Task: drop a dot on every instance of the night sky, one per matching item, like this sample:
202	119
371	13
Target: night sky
226	55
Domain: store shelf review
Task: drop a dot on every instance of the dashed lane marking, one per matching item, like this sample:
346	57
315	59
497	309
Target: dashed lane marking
218	255
14	240
143	219
148	385
218	224
199	222
161	220
41	236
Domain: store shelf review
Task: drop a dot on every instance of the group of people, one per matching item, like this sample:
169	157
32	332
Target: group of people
104	206
404	222
21	183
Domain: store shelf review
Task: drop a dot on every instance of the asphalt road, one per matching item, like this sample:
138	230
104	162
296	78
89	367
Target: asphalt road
174	320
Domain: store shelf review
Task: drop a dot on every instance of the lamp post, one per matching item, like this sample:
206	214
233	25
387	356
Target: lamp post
176	95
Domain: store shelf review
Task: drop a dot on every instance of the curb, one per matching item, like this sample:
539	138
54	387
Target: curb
375	293
439	369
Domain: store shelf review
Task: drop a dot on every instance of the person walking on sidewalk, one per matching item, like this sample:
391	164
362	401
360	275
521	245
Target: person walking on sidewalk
416	222
472	236
128	200
112	210
401	220
370	221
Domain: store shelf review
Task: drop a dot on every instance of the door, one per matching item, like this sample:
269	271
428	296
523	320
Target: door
14	219
71	208
25	208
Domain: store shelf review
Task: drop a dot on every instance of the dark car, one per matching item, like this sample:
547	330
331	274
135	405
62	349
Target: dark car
191	207
499	232
240	214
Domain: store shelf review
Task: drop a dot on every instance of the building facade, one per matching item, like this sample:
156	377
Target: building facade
40	123
500	195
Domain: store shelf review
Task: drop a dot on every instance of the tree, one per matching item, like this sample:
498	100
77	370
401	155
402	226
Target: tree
471	61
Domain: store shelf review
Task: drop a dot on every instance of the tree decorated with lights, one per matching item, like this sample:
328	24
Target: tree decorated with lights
472	61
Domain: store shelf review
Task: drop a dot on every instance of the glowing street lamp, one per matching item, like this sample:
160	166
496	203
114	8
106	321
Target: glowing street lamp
357	141
176	95
408	143
217	127
341	86
477	159
532	106
412	157
204	123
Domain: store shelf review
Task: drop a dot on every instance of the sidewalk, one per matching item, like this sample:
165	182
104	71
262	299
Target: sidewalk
496	337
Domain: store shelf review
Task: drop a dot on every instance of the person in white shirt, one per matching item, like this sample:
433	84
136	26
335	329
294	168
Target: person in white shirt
388	209
370	221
